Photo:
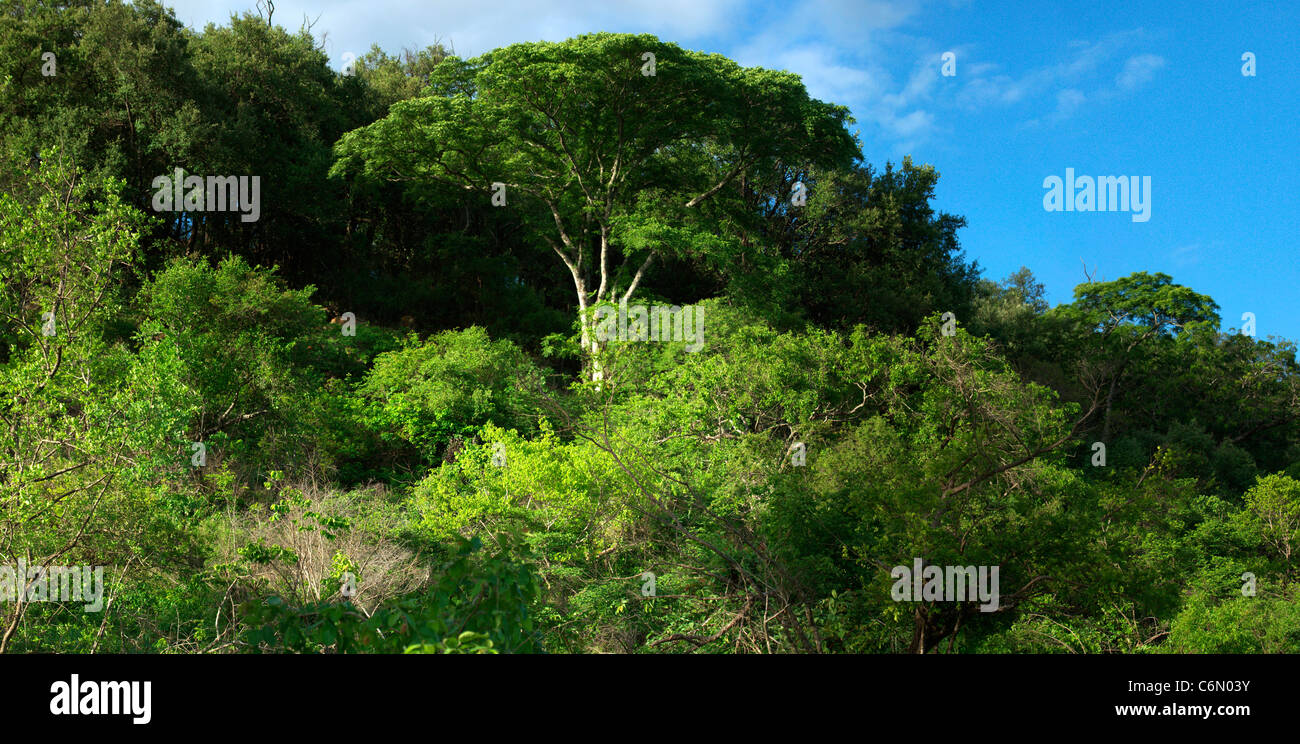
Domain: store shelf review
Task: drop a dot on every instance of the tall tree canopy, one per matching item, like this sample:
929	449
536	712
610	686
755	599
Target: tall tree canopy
610	164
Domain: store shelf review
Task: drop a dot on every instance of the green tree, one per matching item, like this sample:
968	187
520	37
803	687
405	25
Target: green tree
611	165
447	388
85	425
1111	331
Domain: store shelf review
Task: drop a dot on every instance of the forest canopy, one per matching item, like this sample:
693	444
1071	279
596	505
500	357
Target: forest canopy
381	415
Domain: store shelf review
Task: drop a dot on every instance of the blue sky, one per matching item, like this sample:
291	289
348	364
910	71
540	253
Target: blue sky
1121	89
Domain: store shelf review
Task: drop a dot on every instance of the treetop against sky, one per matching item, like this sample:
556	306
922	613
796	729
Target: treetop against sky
1137	89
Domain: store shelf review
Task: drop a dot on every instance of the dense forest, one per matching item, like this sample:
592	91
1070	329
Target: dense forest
594	346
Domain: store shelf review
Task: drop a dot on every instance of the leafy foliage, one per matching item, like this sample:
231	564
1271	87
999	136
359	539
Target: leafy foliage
415	443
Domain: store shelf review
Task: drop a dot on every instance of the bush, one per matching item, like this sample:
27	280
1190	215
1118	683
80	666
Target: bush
423	396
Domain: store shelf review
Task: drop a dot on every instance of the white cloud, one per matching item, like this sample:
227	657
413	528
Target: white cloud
1191	254
1067	102
1085	57
476	27
846	51
1064	83
1138	71
840	49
